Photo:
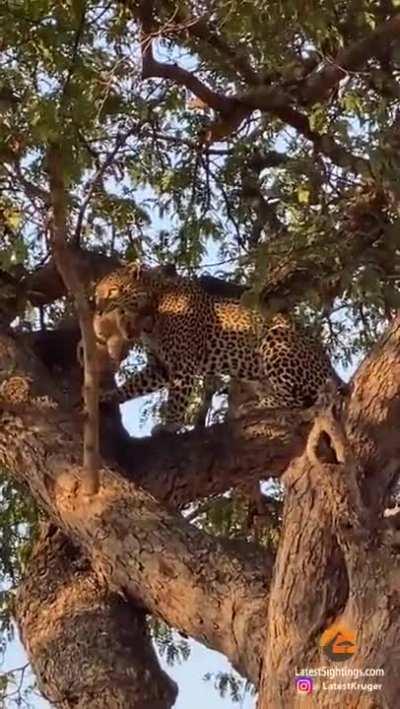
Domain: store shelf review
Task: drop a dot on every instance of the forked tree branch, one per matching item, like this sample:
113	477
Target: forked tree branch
233	110
320	83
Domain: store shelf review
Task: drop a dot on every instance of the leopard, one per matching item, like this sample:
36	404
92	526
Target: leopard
189	335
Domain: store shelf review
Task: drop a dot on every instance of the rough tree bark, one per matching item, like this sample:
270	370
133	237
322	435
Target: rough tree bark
345	555
337	558
88	647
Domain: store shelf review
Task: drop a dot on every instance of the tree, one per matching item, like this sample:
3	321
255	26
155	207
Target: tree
263	139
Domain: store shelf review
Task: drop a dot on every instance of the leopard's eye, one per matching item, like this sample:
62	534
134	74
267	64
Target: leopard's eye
114	290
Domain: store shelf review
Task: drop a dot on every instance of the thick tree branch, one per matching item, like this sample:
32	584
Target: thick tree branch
341	536
153	68
212	460
66	615
308	558
372	422
45	284
320	83
207	461
275	101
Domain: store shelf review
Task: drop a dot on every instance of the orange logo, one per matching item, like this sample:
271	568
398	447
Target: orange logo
338	643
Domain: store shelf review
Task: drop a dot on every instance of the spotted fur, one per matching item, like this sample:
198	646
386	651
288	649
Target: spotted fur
191	334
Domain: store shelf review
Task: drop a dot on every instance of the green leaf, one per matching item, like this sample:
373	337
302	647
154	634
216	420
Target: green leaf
318	119
13	218
351	103
303	194
370	19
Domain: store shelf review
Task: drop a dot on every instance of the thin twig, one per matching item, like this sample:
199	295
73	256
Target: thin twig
120	141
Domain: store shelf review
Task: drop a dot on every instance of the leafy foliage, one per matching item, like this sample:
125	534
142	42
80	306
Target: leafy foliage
235	515
18	526
170	646
229	684
299	197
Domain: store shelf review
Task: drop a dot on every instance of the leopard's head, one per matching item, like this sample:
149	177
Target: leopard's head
122	304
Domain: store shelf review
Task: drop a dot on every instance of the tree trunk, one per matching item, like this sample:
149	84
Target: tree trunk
86	645
338	561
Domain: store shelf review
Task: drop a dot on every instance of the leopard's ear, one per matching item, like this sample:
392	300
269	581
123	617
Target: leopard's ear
134	268
138	271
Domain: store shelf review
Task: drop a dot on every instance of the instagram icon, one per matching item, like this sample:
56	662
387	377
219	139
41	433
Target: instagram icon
304	685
